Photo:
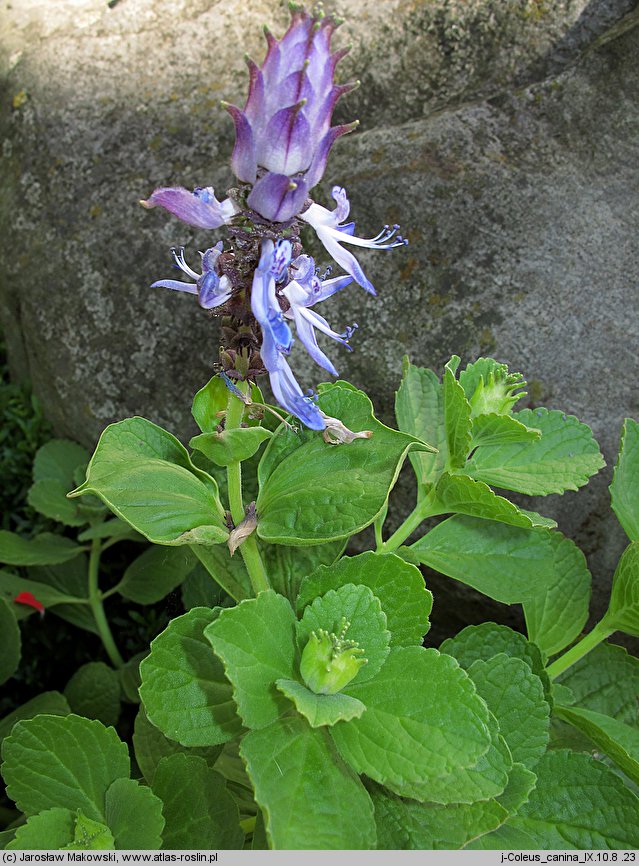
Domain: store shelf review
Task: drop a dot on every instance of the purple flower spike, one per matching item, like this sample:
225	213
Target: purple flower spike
284	133
199	208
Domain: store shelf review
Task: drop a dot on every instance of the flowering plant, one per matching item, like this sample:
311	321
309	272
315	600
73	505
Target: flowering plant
294	704
264	280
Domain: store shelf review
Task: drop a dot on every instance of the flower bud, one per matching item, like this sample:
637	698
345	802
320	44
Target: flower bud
329	662
495	392
284	133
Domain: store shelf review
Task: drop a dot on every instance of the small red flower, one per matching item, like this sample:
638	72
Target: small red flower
30	600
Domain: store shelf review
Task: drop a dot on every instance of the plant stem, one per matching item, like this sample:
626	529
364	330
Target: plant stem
95	600
599	633
424	508
248	549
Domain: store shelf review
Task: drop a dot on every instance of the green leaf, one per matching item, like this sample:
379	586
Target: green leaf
486	778
209	403
493	429
145	476
12	584
624	490
419	409
563	459
64	761
515	696
556	617
51	703
49	497
200	590
134	815
367	624
90	836
623	610
312	492
423	719
457	417
199	812
50	830
487	640
229	572
94	691
605	681
113	528
230	446
151	746
256	642
320	710
601	812
521	781
286	565
57	460
408	825
44	549
297	773
398	585
463	495
615	739
156	573
10	642
507	563
69	577
184	690
129	676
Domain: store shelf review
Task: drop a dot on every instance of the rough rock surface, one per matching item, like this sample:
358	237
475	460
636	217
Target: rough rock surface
503	136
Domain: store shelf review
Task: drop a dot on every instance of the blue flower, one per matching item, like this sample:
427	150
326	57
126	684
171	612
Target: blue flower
304	291
211	289
333	232
276	334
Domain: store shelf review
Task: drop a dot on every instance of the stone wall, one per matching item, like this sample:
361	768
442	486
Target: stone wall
502	135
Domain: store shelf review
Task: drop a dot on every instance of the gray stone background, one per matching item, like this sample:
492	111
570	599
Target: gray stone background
501	134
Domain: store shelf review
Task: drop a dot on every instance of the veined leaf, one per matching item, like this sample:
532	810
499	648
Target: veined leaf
184	689
614	738
296	772
516	698
601	812
623	610
10	643
146	477
44	549
494	429
198	810
419	409
605	681
312	492
624	490
230	446
563	459
457	417
507	563
423	720
409	825
63	761
463	495
256	642
398	585
556	617
367	624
